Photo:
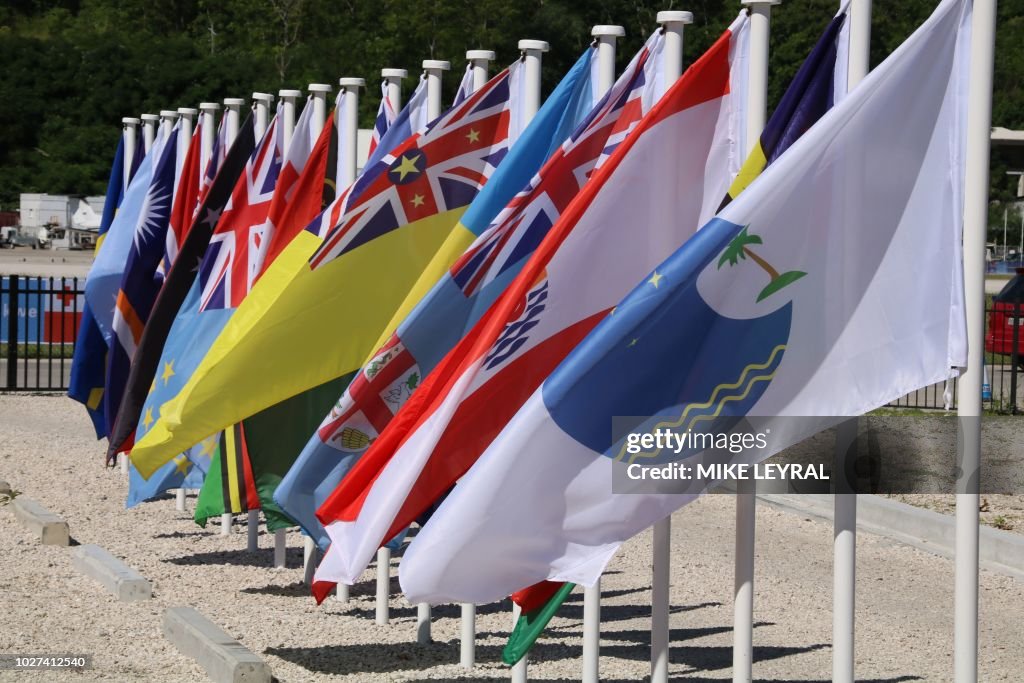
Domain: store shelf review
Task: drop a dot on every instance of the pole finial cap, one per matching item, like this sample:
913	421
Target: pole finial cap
480	54
438	64
539	45
233	101
675	17
394	73
319	87
130	120
262	97
352	82
608	30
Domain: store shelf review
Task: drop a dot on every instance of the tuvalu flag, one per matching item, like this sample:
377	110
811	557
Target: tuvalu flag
832	285
89	363
336	293
584	264
388	377
143	374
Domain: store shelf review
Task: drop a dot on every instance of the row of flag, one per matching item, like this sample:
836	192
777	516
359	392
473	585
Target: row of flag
447	340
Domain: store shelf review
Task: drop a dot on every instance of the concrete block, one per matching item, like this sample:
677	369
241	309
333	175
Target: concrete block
51	529
124	582
224	658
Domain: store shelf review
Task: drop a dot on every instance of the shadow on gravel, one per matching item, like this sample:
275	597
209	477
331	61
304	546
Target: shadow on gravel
448	611
713	658
241	558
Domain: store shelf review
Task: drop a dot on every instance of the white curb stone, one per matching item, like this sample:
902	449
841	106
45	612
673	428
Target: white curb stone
224	658
124	582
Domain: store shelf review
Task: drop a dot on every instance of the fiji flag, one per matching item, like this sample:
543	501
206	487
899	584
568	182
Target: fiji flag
88	367
389	377
140	282
831	286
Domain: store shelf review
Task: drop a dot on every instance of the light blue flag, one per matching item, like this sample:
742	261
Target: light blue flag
320	467
186	471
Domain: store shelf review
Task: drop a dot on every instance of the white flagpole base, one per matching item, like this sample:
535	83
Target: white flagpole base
383	585
225	524
280	548
592	632
253	530
467	649
179	500
423	623
309	553
743	606
661	566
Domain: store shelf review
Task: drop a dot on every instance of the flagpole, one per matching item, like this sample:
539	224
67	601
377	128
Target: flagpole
743	594
673	23
349	128
149	123
604	37
976	174
130	133
232	114
393	77
844	517
261	102
532	52
167	119
288	100
478	61
186	116
207	117
434	69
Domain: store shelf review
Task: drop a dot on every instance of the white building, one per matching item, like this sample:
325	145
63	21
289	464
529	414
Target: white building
41	210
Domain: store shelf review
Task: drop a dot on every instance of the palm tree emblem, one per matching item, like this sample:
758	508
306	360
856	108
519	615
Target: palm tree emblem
739	249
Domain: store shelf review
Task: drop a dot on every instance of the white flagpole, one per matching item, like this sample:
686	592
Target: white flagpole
434	68
167	119
232	107
261	102
479	60
207	115
288	101
673	23
187	116
149	124
976	174
743	605
130	131
532	53
604	37
394	80
844	518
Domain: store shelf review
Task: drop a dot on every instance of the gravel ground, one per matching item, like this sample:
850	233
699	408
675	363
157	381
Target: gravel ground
904	604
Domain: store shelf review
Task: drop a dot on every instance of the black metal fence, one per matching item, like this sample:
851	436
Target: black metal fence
1004	343
39	320
40	316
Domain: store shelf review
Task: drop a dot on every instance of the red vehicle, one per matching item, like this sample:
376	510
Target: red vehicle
1004	318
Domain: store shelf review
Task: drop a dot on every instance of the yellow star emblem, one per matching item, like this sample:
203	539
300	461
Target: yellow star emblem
148	420
181	464
417	200
168	372
207	446
152	387
656	278
473	135
407	166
